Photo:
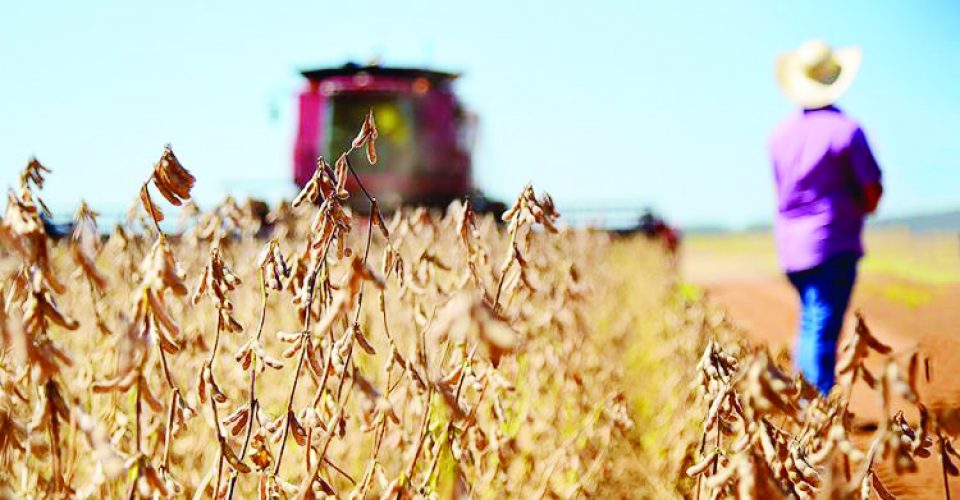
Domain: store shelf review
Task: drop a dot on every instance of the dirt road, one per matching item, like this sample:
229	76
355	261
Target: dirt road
906	315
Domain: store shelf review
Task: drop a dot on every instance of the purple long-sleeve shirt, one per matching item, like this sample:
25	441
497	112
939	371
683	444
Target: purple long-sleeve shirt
822	164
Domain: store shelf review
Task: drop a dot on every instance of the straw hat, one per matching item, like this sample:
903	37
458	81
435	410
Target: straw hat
814	75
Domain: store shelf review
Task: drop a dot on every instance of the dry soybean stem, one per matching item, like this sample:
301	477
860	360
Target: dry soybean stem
168	433
424	425
304	338
220	439
943	463
253	383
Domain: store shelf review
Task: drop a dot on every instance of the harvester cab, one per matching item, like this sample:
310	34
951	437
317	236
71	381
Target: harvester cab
425	135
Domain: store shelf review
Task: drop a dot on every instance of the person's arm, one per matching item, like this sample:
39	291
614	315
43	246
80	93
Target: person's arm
865	171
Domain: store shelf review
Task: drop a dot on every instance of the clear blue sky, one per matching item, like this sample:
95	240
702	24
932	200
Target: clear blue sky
620	103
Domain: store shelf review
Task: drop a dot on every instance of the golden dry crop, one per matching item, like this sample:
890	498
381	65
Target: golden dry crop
429	354
313	352
768	434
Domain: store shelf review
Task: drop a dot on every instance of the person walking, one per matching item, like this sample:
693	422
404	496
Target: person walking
827	182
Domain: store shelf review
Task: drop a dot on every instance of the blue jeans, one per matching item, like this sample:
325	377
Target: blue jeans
824	295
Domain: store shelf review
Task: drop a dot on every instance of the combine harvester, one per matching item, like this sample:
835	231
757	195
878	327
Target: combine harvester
425	143
425	139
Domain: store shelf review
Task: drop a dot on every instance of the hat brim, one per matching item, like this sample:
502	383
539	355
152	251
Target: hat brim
809	93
